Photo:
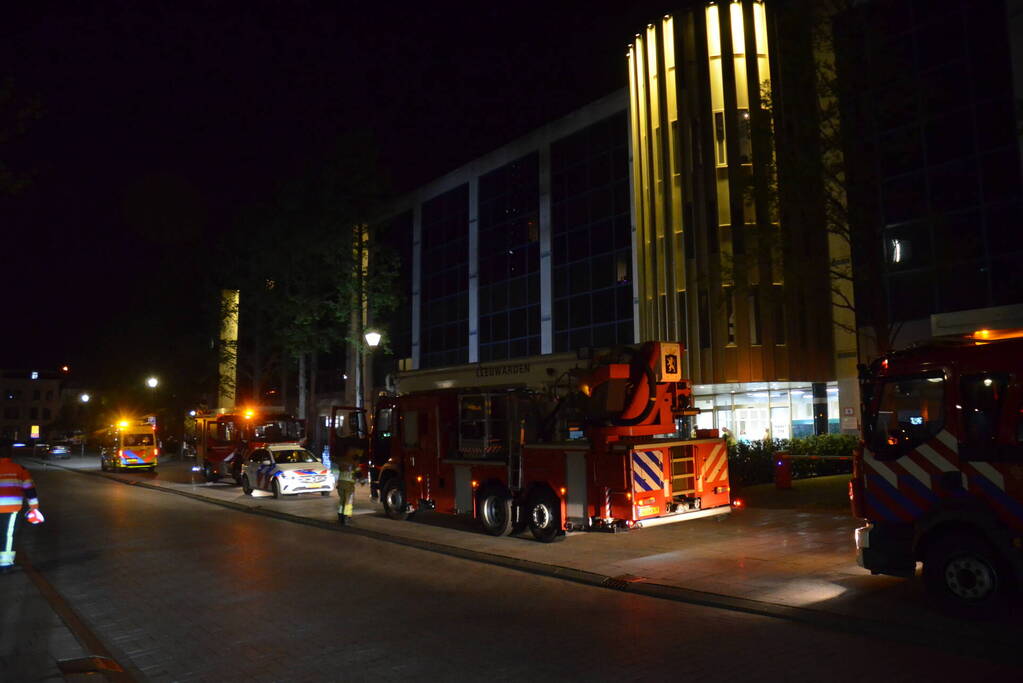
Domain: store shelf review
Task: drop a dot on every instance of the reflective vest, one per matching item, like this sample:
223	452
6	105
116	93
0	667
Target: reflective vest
16	487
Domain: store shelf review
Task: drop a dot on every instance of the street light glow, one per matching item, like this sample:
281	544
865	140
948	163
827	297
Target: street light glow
372	338
84	398
152	382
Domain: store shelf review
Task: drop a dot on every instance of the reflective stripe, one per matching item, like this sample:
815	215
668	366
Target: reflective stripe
11	500
939	461
886	472
990	473
33	502
948	440
9	540
719	459
914	469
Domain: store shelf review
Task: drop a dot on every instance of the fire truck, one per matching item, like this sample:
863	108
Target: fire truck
939	478
597	447
223	438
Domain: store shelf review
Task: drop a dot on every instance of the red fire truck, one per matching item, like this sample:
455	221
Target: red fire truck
598	448
223	437
940	475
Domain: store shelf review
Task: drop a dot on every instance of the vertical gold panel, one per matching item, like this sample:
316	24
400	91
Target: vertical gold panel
674	156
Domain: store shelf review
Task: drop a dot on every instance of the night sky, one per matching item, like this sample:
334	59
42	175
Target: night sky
156	124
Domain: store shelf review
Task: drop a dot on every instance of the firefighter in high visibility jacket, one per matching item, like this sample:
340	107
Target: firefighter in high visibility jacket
343	469
16	490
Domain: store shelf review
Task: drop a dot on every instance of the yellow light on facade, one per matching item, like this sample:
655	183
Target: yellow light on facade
249	414
123	424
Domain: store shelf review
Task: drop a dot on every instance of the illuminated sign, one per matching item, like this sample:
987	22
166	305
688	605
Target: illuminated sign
35	432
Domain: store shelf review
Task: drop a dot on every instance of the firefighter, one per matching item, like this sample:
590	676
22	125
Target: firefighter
16	489
344	472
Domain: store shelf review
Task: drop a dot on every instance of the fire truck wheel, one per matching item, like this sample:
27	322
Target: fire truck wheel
393	498
495	510
543	515
276	488
966	575
246	485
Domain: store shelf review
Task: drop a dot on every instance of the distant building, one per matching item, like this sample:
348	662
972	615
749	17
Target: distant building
29	398
932	100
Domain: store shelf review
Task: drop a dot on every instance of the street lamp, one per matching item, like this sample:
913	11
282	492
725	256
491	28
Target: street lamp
372	338
84	398
152	382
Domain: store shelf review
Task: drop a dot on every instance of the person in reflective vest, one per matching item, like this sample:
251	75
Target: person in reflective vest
16	490
343	468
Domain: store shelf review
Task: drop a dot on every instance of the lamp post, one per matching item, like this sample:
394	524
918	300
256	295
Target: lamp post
84	398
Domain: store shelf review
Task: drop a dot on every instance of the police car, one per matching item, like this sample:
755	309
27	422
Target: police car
286	469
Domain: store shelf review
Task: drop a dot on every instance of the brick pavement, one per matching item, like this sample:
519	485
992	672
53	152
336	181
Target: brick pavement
33	638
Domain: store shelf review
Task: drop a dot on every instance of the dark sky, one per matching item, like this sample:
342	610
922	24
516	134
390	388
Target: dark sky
159	122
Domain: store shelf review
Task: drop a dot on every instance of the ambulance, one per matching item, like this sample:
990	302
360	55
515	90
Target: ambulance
130	445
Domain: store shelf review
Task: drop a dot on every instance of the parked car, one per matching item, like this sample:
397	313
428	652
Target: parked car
60	449
286	469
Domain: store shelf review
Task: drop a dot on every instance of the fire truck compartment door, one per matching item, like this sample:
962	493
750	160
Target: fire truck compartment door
575	482
648	482
463	488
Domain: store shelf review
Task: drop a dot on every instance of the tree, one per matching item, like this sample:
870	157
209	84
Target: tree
299	263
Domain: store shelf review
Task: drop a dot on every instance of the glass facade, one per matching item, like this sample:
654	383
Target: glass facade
509	261
591	237
444	327
756	411
937	119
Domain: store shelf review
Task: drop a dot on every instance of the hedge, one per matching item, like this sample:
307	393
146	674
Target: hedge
753	462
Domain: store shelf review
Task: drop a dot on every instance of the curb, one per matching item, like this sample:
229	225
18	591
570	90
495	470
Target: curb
979	644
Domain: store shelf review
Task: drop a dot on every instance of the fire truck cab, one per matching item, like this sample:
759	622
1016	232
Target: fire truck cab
939	479
224	438
596	447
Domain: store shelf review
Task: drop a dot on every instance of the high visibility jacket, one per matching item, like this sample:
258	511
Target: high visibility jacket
16	487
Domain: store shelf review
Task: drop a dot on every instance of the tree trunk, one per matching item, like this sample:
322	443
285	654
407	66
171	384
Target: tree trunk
313	416
302	394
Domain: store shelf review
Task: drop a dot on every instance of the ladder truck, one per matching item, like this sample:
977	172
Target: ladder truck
550	444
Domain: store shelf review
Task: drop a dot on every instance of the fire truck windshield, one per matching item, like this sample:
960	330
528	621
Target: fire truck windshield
277	430
909	411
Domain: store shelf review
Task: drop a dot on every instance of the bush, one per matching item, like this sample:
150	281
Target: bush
753	462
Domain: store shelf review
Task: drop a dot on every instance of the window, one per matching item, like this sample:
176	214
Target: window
12	413
33	413
909	412
483	427
983	400
410	429
47	413
49	395
730	314
36	394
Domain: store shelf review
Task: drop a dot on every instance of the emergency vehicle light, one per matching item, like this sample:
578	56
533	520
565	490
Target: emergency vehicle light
563	489
475	484
737	503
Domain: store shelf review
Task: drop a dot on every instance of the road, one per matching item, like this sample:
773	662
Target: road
184	590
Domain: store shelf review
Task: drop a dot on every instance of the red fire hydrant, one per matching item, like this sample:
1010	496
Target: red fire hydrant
782	471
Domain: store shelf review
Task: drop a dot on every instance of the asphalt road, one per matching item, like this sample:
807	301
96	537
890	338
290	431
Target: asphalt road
183	590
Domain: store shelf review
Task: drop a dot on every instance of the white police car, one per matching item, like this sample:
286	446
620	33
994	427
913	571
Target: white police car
286	469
